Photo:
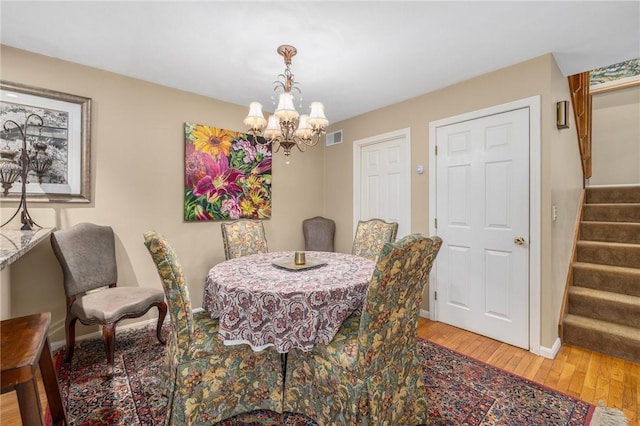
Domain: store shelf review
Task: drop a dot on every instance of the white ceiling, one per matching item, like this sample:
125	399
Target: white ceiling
354	56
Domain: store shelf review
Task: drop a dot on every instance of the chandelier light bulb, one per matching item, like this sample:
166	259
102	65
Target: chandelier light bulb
286	111
304	131
317	119
255	119
273	128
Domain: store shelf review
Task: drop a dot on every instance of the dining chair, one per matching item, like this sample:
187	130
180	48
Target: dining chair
319	233
243	237
370	373
86	252
207	381
371	235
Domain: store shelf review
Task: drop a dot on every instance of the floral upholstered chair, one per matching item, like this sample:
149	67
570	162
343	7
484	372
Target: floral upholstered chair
370	373
207	381
243	237
371	235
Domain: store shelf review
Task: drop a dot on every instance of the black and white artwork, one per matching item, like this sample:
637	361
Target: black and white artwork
63	136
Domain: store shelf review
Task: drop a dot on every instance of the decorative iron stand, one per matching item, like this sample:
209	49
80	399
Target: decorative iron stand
27	222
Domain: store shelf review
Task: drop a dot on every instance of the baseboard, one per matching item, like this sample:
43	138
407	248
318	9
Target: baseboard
424	314
553	351
613	185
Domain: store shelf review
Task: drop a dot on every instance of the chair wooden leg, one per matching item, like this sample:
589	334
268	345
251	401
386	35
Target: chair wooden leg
108	338
70	332
162	312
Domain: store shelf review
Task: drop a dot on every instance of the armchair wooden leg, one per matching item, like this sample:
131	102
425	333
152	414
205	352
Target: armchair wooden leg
70	333
162	313
108	338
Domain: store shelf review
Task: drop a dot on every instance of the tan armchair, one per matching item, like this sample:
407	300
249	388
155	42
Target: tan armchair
370	373
87	255
243	237
371	235
319	233
208	381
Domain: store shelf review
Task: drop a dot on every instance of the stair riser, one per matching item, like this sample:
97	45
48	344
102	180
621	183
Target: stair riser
628	194
605	310
628	233
607	281
606	343
628	256
611	213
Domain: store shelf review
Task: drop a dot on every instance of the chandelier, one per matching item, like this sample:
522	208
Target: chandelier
286	128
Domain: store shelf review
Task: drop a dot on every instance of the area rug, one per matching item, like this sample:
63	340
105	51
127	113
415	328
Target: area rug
461	390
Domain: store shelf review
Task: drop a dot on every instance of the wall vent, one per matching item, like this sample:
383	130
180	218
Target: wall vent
333	138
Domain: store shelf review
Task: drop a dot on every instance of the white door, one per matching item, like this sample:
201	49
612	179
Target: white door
482	211
382	180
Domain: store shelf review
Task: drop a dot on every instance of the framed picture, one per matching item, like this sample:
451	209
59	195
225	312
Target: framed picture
63	138
616	76
227	175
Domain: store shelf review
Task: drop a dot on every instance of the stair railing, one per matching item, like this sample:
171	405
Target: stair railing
581	101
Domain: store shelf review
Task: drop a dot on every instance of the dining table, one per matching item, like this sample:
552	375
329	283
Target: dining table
267	300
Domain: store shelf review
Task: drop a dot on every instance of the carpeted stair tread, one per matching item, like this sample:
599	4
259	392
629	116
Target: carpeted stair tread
617	279
611	212
602	336
619	194
605	305
616	254
620	232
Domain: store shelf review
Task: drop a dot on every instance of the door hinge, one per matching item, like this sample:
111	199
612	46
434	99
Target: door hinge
436	222
436	149
435	295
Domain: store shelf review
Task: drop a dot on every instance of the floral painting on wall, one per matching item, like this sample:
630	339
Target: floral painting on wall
227	175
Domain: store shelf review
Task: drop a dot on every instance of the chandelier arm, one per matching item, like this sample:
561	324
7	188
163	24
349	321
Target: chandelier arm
300	143
257	135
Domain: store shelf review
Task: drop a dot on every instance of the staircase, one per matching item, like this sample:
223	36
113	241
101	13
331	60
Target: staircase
603	308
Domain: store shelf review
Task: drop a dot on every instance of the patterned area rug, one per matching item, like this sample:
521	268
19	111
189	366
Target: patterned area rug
462	391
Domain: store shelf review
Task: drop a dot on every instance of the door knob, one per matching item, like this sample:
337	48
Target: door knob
519	240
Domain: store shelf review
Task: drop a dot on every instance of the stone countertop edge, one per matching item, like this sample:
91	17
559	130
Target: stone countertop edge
14	243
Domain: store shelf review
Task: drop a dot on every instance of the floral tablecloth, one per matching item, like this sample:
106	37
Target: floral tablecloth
265	305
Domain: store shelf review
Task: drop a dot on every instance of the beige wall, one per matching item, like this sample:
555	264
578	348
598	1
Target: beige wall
560	179
616	137
137	161
566	186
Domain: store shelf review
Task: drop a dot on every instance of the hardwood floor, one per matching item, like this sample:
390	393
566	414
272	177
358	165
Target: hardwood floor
578	372
581	373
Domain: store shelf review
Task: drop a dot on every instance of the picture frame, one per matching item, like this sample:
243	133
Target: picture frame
66	131
613	77
227	175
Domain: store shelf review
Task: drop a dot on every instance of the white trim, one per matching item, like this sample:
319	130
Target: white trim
424	313
535	231
552	351
357	147
613	185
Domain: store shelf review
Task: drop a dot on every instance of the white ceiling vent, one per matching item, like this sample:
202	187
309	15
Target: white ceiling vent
333	138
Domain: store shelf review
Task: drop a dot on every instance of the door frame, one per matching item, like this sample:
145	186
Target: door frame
405	134
533	105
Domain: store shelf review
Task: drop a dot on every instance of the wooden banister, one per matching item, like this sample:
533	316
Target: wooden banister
581	100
